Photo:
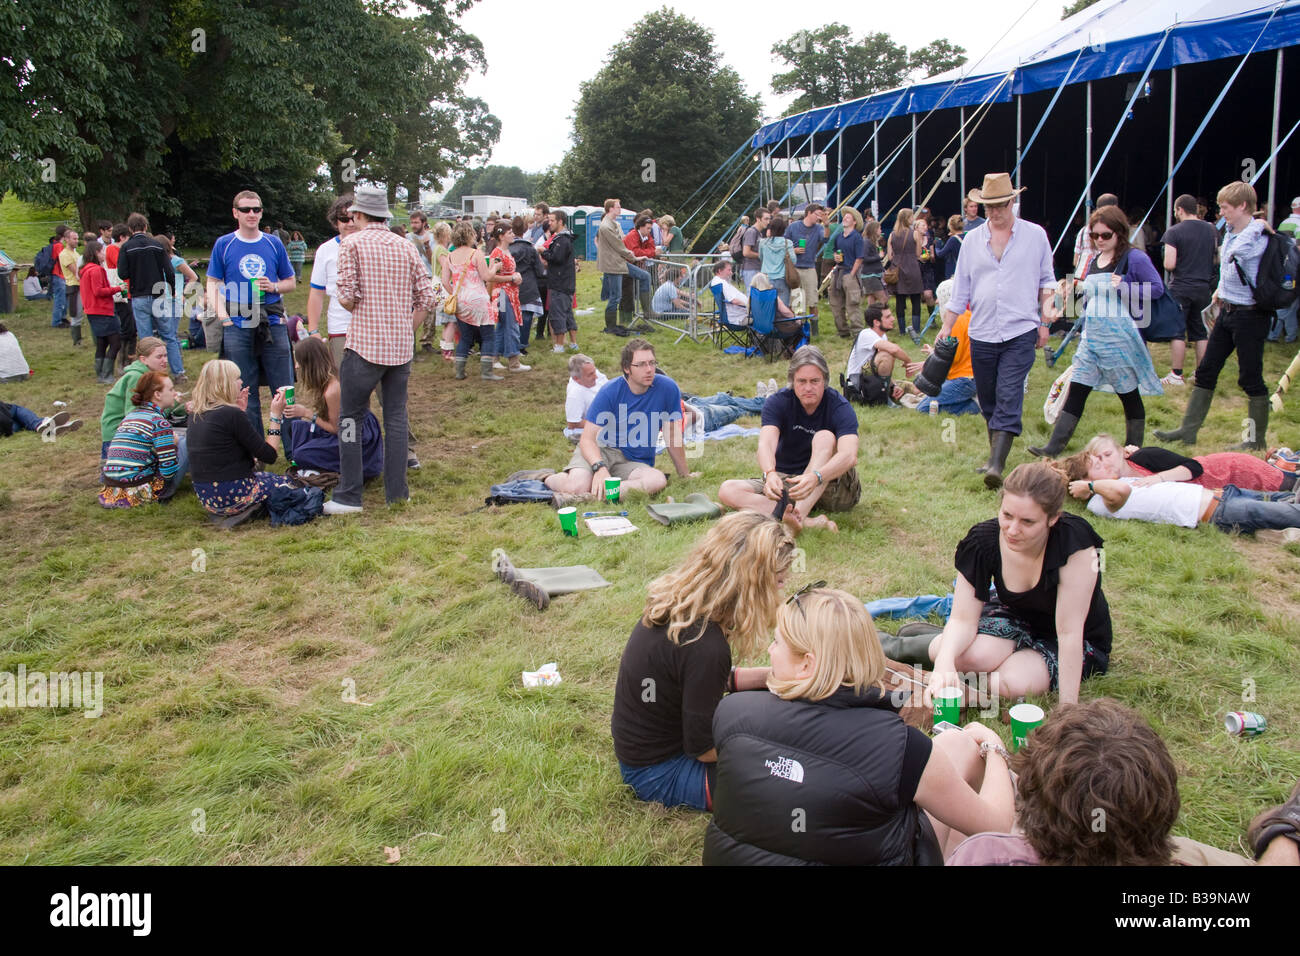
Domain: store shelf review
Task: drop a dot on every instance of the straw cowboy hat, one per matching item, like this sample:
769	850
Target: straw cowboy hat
372	201
997	189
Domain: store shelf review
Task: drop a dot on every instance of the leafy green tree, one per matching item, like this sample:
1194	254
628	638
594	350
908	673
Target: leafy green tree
828	66
1077	7
658	118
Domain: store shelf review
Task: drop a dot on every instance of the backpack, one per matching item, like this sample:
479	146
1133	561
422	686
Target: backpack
1274	285
44	262
737	245
865	388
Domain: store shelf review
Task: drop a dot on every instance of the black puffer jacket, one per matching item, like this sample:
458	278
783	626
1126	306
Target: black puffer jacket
802	782
529	267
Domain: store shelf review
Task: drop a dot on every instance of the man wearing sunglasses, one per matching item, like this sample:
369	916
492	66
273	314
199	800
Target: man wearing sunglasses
1004	276
248	272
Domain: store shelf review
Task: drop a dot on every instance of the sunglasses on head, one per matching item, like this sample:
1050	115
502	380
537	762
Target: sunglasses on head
794	598
1102	235
249	208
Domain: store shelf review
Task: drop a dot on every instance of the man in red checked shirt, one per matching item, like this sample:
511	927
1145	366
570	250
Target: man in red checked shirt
640	242
385	286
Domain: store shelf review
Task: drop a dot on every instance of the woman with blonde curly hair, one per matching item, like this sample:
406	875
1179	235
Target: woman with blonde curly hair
824	770
677	663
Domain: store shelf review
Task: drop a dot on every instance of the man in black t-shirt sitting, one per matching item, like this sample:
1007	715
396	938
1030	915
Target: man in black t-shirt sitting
807	450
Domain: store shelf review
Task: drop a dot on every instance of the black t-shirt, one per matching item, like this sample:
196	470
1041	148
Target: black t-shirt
223	443
666	694
1156	459
794	447
1195	240
979	560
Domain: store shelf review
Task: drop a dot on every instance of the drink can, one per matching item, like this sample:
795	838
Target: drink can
1243	723
288	394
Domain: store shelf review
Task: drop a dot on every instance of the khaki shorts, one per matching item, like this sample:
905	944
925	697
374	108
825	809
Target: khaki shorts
840	495
619	465
808	282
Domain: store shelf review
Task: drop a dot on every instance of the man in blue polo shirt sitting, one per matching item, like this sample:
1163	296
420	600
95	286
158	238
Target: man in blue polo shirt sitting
807	449
254	334
621	430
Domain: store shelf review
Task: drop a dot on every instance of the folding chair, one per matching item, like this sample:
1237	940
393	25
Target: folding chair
762	311
723	330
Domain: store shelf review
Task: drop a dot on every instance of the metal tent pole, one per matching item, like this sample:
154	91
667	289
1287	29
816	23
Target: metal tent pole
913	160
1169	190
839	174
1019	110
1272	170
875	167
961	164
1087	150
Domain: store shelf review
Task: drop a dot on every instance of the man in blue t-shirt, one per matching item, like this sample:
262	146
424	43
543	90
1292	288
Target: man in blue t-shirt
807	449
621	431
254	334
807	235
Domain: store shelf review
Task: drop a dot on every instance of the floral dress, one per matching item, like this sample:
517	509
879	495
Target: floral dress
508	289
1112	356
473	307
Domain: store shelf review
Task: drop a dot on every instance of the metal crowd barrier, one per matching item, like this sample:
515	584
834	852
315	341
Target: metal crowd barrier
691	275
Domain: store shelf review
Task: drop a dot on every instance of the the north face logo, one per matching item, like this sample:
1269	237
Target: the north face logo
785	767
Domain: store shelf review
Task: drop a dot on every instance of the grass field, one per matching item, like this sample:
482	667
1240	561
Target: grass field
227	656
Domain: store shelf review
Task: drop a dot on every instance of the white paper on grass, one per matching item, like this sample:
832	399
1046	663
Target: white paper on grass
546	676
610	526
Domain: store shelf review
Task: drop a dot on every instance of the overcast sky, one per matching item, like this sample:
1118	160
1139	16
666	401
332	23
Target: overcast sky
534	92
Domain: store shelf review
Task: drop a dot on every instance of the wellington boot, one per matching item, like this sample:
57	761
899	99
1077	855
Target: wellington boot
647	313
1198	406
1256	424
985	467
104	371
912	647
1061	432
459	365
998	459
1135	429
486	370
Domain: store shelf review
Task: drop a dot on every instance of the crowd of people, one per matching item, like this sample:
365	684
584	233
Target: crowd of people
1028	609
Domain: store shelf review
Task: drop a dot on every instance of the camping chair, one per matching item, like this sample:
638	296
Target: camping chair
724	331
762	311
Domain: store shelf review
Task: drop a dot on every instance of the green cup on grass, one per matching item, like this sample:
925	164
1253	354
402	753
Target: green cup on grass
1024	718
569	521
612	486
947	705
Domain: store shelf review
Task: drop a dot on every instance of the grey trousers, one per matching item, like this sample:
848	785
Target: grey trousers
357	379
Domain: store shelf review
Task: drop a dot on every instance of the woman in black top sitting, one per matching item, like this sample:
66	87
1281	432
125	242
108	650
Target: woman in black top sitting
224	447
1048	626
823	769
677	663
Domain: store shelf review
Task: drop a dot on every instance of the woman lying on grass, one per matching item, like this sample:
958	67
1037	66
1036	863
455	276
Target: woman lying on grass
1048	626
1103	458
677	663
145	461
826	748
1272	515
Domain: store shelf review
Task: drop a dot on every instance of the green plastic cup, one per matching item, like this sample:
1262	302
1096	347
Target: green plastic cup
255	291
569	521
1024	718
947	704
612	486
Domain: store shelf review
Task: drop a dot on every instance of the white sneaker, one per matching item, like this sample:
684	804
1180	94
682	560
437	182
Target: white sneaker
760	390
521	367
498	367
1283	536
772	387
333	507
557	349
1172	379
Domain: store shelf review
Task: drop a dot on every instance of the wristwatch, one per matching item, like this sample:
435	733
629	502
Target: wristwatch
598	464
820	479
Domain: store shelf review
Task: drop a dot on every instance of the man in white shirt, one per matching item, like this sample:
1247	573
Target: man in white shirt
737	304
324	270
874	352
584	382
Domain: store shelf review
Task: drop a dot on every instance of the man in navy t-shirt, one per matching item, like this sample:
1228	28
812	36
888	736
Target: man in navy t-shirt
622	429
807	448
254	334
807	235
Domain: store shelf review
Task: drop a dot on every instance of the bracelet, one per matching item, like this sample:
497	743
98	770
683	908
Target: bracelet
820	479
273	432
998	749
276	421
1091	489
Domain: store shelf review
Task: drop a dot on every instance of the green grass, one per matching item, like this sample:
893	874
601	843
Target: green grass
224	688
24	228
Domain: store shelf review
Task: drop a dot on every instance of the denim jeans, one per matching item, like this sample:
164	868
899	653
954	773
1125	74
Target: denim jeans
1250	511
1286	323
1000	372
24	419
782	290
611	287
156	315
270	365
956	397
58	300
507	339
486	335
681	781
723	409
357	379
182	465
